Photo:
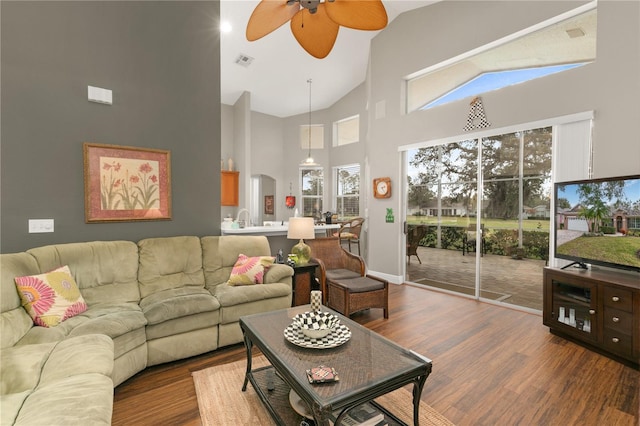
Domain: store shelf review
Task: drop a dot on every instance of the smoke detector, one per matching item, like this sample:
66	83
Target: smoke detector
244	60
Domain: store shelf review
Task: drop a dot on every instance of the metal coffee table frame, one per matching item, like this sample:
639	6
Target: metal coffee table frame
368	365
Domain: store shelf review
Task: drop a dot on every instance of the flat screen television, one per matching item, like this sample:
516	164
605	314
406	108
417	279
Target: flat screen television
597	221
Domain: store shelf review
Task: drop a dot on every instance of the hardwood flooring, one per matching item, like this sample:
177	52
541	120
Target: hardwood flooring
491	366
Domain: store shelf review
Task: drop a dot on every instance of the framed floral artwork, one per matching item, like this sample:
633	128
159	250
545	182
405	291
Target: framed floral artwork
268	204
124	183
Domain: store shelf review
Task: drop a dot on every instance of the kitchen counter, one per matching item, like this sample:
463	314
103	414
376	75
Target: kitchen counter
274	230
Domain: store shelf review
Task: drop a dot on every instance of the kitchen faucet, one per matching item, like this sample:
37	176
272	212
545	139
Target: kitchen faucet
248	216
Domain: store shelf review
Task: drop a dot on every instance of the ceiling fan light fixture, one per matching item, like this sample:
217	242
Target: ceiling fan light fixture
315	23
312	5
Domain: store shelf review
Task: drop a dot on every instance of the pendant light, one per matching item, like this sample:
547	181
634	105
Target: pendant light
309	161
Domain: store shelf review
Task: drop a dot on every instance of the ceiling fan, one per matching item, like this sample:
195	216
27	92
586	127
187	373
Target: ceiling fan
315	23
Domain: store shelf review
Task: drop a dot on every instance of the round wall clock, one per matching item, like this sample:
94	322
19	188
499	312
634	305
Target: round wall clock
382	187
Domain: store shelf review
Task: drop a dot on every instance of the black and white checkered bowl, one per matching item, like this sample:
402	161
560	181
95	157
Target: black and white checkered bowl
316	325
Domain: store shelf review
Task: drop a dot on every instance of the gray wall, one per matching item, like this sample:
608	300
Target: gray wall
161	59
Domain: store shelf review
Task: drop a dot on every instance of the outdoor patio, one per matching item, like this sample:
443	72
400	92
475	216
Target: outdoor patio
511	281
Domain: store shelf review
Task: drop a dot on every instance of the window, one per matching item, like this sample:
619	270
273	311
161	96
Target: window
489	81
346	131
312	184
559	44
316	140
347	179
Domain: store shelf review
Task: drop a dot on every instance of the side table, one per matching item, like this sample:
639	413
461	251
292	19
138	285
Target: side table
303	281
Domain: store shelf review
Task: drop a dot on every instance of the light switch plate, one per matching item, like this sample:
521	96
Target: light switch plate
40	225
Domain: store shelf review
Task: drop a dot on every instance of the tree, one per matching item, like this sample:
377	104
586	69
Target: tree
563	203
594	197
453	168
419	195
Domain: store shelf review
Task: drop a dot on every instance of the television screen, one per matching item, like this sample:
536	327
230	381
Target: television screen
597	221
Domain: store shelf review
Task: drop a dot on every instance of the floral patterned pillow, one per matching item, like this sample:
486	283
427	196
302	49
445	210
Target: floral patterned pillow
250	270
52	297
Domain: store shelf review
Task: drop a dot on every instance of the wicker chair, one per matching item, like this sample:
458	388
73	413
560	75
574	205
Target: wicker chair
350	232
414	236
344	284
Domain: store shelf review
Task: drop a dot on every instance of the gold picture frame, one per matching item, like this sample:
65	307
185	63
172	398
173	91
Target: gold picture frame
124	183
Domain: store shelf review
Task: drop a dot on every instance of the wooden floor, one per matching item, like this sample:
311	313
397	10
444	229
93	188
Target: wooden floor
491	366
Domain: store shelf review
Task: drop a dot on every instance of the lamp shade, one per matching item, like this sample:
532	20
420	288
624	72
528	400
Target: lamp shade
301	228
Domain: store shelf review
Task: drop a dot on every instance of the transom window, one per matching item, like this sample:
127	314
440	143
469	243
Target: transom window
346	131
557	45
315	140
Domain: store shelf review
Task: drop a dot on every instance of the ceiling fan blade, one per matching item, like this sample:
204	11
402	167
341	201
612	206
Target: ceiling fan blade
316	32
358	14
268	16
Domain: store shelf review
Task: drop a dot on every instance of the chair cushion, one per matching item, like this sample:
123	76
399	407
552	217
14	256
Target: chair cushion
341	274
360	284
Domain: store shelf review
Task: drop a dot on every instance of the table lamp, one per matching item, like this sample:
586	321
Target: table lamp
301	228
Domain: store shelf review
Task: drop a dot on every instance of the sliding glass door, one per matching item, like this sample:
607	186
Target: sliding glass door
491	246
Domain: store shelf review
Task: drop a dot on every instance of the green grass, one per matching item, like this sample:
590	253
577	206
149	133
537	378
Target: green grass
527	225
620	250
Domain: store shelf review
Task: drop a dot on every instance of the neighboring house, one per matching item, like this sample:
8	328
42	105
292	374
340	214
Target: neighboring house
621	220
454	209
539	211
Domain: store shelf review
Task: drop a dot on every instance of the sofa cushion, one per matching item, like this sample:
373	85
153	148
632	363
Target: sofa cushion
250	270
75	378
21	367
235	295
52	297
11	405
92	353
111	319
176	303
29	366
14	320
106	271
169	263
85	399
219	254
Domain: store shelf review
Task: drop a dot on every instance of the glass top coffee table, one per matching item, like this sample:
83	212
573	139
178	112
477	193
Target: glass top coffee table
367	364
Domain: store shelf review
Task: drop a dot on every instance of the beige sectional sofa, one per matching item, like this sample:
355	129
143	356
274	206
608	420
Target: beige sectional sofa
156	301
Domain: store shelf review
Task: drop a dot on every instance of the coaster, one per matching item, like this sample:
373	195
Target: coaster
322	374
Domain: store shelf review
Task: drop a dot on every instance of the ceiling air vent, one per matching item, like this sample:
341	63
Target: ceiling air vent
575	32
244	60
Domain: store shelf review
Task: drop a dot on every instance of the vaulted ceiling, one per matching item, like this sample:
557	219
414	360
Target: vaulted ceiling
279	68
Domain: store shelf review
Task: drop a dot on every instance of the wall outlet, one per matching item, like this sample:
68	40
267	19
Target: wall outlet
40	225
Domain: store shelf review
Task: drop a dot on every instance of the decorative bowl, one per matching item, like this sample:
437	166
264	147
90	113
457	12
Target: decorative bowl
316	325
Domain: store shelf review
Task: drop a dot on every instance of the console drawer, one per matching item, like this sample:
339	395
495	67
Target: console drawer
618	343
618	298
618	320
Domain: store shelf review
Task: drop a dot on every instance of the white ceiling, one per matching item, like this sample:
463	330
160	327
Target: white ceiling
277	77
